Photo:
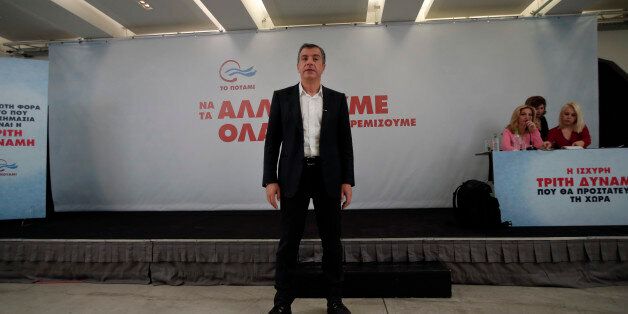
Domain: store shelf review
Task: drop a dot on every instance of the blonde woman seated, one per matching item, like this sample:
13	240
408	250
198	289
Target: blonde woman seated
571	129
521	133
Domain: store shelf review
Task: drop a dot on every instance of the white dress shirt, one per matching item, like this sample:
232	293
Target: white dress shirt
312	113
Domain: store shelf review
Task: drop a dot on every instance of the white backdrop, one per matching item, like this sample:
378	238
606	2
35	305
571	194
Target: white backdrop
127	131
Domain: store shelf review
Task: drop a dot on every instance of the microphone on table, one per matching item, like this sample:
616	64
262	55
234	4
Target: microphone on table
531	147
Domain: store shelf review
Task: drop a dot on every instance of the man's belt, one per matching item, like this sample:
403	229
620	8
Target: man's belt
312	161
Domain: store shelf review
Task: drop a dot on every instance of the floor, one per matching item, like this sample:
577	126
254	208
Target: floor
71	297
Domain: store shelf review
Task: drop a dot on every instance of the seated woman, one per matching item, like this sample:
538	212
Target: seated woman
521	133
571	129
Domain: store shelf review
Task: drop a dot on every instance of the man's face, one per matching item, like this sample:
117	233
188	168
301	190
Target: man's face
310	64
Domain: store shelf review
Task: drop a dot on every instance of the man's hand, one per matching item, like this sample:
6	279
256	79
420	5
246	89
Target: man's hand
273	194
346	192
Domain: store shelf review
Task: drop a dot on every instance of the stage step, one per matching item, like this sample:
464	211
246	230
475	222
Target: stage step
379	280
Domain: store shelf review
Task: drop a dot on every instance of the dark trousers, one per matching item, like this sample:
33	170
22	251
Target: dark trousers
293	214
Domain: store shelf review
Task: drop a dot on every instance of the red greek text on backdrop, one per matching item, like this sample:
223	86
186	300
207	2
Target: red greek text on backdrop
364	105
584	181
589	170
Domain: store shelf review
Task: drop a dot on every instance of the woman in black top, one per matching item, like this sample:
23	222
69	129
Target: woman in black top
539	105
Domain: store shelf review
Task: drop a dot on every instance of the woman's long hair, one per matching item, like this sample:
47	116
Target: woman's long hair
513	126
579	125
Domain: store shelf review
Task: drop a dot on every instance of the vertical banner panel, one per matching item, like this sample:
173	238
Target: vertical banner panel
179	123
23	132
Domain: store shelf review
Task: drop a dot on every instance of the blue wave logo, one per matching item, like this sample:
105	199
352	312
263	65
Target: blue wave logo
231	68
5	165
248	72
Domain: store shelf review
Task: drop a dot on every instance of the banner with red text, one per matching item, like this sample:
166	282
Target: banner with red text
179	123
23	147
564	187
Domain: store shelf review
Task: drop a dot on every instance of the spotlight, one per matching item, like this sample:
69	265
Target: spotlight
145	5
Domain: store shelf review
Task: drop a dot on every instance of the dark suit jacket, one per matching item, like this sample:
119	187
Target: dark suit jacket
285	130
544	128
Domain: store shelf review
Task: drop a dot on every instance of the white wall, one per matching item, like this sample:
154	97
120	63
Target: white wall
613	45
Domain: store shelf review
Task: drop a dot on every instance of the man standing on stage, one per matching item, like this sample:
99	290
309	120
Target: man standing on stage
311	125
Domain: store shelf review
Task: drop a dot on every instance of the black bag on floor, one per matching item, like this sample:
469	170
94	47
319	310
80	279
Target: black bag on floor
475	207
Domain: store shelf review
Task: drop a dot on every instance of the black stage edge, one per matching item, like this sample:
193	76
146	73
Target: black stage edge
379	280
239	248
264	224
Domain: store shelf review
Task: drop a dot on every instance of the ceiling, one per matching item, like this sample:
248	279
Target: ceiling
27	25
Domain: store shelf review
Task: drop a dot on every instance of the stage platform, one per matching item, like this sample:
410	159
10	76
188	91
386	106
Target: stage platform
210	248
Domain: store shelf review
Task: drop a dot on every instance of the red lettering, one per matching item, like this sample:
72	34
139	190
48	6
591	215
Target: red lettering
569	170
247	129
205	105
231	130
593	181
568	181
226	110
381	104
262	132
361	106
18	142
584	182
264	105
245	105
14	133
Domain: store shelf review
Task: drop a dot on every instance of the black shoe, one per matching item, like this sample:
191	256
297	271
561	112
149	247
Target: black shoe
336	307
281	309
